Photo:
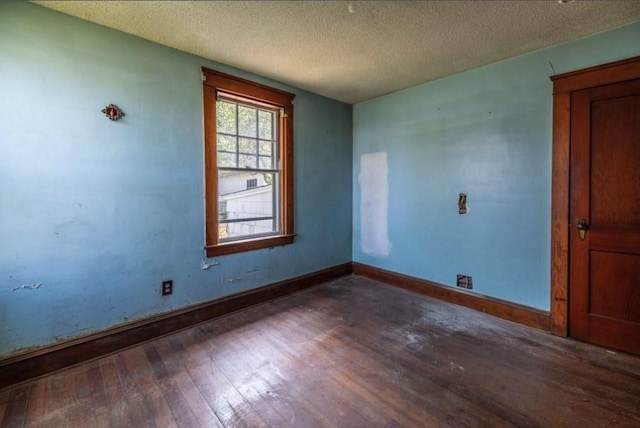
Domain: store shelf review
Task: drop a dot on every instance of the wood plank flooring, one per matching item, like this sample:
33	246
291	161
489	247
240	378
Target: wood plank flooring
349	353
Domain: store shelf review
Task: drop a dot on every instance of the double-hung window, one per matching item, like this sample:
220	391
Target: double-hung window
248	137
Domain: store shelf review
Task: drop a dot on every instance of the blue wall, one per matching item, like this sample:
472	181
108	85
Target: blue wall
486	133
95	214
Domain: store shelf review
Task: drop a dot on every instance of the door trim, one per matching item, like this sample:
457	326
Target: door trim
563	85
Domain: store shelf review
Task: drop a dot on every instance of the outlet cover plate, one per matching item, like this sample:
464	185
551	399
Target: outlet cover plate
167	287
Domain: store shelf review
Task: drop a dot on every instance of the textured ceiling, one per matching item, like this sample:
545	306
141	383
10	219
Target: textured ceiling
357	50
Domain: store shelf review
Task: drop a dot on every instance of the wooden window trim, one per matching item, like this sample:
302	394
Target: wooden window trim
214	81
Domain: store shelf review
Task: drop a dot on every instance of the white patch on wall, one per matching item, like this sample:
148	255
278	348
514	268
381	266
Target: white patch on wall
374	204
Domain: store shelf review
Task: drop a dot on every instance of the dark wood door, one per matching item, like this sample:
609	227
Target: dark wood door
604	263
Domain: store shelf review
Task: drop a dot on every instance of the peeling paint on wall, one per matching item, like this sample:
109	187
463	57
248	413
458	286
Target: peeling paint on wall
374	204
28	287
204	265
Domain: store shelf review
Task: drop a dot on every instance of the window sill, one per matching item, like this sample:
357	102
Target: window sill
248	245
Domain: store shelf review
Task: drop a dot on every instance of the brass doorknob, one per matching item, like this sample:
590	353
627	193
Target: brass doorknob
582	227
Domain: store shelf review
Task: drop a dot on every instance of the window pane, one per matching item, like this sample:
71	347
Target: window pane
265	162
226	143
249	204
227	160
247	121
226	117
222	209
247	161
266	124
266	147
248	146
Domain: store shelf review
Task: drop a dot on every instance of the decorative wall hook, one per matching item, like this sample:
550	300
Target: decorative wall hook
113	112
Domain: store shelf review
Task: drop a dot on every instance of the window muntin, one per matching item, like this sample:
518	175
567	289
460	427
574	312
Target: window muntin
246	135
248	164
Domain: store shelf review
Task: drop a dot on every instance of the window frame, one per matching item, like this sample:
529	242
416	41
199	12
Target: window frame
214	83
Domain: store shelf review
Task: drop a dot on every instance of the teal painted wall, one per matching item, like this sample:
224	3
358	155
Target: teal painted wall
95	214
486	133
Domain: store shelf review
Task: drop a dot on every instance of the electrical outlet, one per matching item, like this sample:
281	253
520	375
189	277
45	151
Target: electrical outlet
167	287
464	281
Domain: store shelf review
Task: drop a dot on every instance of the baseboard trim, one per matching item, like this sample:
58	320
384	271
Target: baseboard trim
49	359
526	315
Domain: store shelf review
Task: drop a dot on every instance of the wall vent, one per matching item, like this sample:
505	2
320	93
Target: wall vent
464	281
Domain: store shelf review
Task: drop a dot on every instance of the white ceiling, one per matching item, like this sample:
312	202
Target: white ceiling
355	50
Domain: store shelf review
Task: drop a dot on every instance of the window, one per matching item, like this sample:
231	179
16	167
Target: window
248	139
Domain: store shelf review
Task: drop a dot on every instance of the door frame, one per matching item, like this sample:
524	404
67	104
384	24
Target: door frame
563	86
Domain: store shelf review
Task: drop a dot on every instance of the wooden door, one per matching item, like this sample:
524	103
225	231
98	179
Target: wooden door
604	263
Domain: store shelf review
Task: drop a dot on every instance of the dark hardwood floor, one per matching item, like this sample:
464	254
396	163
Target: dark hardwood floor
349	353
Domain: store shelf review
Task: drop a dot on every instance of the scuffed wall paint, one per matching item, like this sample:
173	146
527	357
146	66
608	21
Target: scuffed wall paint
374	204
28	287
101	212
